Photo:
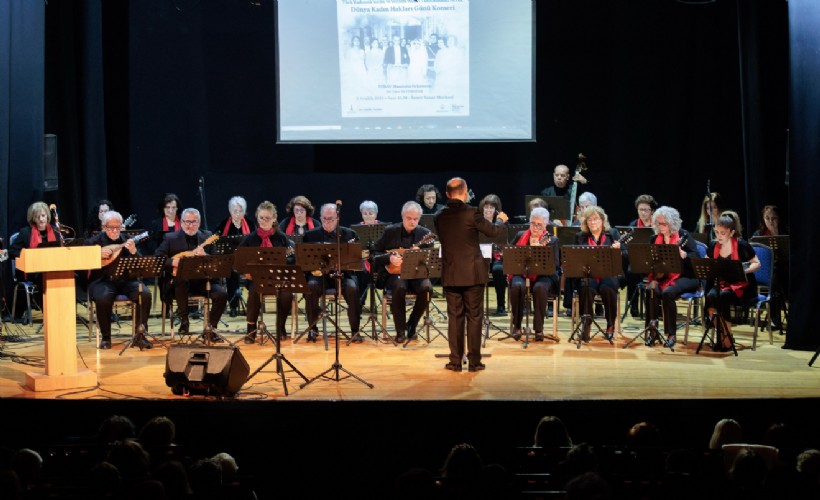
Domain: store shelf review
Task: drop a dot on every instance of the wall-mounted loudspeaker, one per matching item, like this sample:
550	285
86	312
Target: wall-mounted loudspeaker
219	371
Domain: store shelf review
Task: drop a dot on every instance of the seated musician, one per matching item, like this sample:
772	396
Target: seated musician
710	209
265	235
595	231
369	211
318	284
645	205
428	197
169	207
663	290
237	224
723	295
586	199
770	222
38	230
190	241
301	219
93	222
406	234
540	286
490	206
103	289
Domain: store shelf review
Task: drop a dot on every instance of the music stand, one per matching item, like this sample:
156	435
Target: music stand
206	267
526	261
558	207
315	258
246	260
295	238
137	267
369	234
227	245
647	258
497	243
276	278
566	234
638	234
716	270
585	262
422	263
428	221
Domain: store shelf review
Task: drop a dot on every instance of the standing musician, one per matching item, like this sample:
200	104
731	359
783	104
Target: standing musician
38	230
267	234
318	284
190	239
540	286
463	273
301	219
665	289
562	185
103	290
723	295
406	234
595	231
490	207
236	224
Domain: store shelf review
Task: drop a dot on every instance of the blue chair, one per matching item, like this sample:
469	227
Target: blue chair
693	299
763	275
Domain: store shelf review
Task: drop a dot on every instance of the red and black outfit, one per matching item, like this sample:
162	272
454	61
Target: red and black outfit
227	228
30	237
671	286
723	295
540	287
289	225
607	287
284	298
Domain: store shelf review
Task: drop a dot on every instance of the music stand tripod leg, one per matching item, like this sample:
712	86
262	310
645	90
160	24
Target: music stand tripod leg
277	355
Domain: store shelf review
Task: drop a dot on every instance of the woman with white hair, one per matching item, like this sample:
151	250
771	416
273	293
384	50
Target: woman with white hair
664	290
370	212
237	224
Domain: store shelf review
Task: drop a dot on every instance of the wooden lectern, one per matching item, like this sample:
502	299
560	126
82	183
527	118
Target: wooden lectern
60	313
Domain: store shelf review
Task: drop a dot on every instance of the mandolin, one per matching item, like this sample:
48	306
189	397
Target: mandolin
190	253
116	248
396	269
130	220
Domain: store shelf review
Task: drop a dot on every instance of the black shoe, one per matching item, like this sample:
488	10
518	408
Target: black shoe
105	344
670	341
476	368
357	339
233	312
599	310
539	336
184	328
634	312
516	335
142	343
610	332
401	338
250	339
312	336
411	331
500	311
453	367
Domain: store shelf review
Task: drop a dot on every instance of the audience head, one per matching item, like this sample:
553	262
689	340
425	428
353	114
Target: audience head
808	464
415	483
116	428
727	431
228	465
159	431
588	486
105	478
174	479
205	476
28	464
130	459
749	469
463	463
551	432
643	434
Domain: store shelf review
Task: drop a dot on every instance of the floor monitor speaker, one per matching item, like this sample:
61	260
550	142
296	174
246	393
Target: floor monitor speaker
207	370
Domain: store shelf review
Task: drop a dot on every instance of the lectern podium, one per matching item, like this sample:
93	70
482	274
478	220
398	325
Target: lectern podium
60	313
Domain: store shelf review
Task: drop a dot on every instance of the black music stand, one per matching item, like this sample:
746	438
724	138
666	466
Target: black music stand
558	207
316	258
343	253
247	259
636	234
422	263
647	258
206	267
428	221
587	262
227	245
565	234
716	270
497	242
130	267
273	279
369	234
526	261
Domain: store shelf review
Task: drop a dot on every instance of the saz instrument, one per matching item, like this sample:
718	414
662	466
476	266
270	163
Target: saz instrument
130	220
190	253
396	269
116	248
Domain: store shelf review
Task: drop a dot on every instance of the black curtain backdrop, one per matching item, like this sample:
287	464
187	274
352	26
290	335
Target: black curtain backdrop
148	96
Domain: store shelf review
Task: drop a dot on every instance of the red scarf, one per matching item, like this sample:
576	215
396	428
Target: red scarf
265	235
244	228
524	241
737	288
36	239
292	225
667	279
641	224
165	224
591	242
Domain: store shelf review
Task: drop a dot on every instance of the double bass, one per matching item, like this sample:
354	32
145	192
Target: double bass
580	167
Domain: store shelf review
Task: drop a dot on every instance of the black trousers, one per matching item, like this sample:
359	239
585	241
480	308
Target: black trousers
465	307
607	288
655	299
284	302
350	291
539	289
103	292
184	289
399	289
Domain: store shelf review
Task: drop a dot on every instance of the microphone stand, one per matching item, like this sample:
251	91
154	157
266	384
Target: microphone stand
202	201
337	367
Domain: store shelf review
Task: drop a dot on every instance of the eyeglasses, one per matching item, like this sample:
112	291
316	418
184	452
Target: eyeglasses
264	219
596	220
538	225
661	223
190	222
328	219
299	210
111	228
644	210
171	208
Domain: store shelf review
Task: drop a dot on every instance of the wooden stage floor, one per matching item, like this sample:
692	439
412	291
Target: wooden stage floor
544	371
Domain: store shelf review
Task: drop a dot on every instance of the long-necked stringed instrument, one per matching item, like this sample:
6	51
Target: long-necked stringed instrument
573	191
190	253
116	248
396	269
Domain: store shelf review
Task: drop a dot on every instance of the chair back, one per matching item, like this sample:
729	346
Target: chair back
12	239
766	257
701	249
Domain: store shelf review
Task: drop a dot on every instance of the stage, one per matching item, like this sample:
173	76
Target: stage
416	410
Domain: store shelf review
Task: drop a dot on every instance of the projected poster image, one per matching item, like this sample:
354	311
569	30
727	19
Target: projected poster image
404	58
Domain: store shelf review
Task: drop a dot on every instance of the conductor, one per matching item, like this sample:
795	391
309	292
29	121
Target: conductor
464	272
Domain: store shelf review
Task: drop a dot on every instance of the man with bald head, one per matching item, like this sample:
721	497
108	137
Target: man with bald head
464	272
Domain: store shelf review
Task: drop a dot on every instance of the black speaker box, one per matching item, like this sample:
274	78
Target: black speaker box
205	370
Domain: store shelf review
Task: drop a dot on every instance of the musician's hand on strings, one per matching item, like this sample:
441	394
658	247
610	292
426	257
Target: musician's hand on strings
130	246
396	259
106	253
616	245
683	254
198	251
